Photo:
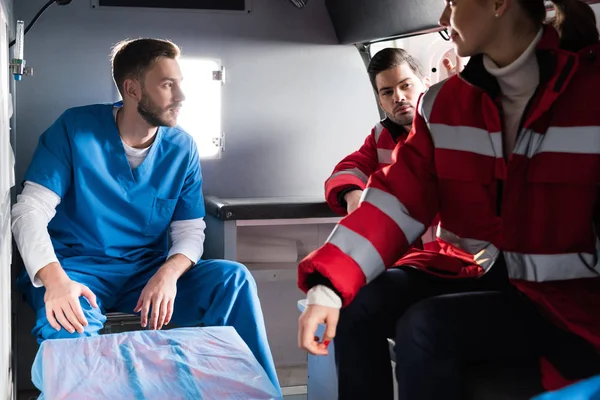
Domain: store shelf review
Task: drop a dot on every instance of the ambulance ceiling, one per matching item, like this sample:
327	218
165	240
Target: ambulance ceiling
359	21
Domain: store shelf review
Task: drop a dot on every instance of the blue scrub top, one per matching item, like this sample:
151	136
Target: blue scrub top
109	212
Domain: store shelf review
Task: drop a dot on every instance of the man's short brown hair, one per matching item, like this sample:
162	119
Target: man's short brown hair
131	59
391	58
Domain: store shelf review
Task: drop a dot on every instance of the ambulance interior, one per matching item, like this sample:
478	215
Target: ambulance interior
277	93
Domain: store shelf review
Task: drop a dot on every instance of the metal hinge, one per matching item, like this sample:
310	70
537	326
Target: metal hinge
219	75
220	142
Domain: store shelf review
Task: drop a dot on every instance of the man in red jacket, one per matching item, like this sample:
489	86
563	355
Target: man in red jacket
361	350
398	79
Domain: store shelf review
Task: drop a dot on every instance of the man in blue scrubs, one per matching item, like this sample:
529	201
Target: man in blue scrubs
107	188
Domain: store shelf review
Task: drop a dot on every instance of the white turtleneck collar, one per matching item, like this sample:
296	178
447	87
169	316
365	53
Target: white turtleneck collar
522	76
518	82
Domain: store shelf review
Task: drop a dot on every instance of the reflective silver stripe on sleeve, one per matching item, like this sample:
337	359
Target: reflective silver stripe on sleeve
378	129
359	249
393	208
428	99
354	171
384	156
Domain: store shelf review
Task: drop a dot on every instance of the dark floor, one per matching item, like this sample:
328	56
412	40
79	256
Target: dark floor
28	395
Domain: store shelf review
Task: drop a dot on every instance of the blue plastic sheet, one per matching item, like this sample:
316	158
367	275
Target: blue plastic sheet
187	363
588	389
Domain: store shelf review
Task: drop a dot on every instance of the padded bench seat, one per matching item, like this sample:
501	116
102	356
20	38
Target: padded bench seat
117	319
268	208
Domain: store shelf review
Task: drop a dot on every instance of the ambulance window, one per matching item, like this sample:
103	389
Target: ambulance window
200	115
430	49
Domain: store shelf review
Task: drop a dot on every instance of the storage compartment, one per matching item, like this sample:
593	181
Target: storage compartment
359	21
276	278
270	236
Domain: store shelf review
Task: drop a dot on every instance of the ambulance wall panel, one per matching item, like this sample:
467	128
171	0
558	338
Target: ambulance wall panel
6	183
295	101
8	7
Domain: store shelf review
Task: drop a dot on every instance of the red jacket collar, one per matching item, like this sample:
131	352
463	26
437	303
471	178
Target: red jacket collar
550	39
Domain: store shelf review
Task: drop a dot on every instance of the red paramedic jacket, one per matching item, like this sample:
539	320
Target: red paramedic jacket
354	171
541	209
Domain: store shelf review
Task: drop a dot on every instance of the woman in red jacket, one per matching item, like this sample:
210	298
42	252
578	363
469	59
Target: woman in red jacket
508	154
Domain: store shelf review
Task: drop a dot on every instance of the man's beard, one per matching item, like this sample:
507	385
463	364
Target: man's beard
403	120
152	113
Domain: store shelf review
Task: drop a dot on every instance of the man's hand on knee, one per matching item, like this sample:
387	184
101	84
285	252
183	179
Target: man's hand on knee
158	297
308	323
62	299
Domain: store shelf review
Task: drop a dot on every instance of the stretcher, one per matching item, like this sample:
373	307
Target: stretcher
178	364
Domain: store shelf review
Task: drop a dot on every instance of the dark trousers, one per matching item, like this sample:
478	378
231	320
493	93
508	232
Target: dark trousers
440	326
440	336
361	347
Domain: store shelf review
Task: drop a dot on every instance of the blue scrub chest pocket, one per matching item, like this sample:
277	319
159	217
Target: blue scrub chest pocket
161	215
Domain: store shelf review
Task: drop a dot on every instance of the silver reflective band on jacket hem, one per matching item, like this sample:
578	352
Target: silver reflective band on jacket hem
484	253
393	208
359	249
552	267
354	171
529	267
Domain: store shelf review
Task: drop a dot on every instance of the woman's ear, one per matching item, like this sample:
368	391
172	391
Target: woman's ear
500	7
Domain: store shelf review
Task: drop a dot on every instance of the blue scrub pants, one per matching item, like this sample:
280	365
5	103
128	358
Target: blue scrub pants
212	293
